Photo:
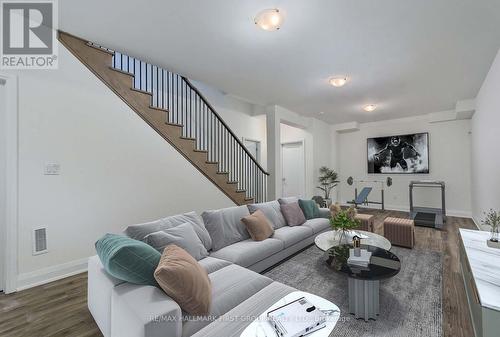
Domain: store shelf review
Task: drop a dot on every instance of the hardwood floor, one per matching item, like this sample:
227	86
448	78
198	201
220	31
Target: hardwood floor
60	309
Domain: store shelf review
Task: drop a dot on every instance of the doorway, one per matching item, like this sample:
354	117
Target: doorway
253	146
3	180
293	169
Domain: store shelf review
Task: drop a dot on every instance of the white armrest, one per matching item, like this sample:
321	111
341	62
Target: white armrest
100	287
144	311
324	213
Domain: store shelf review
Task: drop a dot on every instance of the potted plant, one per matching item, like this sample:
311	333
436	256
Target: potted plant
327	181
343	221
493	221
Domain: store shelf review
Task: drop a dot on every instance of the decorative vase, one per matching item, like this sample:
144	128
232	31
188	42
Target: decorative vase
494	234
344	237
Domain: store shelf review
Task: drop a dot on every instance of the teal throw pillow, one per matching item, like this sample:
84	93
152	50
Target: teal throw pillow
128	259
309	208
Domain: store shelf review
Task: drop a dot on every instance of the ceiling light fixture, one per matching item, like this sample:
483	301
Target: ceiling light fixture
338	81
369	107
269	19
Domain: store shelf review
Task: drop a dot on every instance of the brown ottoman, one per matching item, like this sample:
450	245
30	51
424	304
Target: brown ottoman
367	222
400	232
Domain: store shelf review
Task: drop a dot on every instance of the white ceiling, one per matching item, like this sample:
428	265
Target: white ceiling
408	56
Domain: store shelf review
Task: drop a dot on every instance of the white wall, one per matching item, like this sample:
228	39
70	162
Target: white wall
449	147
115	170
239	115
317	138
486	145
3	109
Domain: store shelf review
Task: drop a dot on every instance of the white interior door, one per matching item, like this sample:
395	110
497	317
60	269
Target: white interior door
3	187
293	169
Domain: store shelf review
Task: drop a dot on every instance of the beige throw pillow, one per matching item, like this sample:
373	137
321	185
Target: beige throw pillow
258	226
183	279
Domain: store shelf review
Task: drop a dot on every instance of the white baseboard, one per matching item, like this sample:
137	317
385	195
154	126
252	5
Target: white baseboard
50	274
450	212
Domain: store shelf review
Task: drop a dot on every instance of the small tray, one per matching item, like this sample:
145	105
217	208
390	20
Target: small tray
492	244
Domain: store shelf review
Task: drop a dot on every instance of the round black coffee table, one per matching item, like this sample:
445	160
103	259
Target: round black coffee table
364	282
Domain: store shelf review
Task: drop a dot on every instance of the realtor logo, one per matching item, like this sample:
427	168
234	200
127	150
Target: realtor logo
28	37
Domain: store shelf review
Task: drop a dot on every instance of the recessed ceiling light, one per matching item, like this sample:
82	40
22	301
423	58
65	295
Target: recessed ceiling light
339	81
269	19
369	107
321	112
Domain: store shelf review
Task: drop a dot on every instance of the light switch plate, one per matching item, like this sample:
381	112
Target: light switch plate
52	169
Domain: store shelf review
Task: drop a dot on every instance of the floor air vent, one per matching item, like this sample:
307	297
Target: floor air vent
39	241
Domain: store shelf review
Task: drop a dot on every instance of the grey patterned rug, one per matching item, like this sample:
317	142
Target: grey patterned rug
410	302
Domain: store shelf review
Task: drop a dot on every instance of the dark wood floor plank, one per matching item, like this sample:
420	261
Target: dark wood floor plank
59	309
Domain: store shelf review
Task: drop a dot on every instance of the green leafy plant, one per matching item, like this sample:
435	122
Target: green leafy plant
492	220
327	180
343	220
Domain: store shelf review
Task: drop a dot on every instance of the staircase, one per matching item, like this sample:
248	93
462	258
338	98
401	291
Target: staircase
177	111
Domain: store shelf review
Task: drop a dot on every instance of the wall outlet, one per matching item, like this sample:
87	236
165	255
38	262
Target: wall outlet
52	169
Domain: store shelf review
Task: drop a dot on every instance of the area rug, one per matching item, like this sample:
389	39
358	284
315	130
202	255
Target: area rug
410	302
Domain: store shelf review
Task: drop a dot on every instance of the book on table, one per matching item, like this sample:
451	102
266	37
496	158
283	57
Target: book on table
362	260
296	318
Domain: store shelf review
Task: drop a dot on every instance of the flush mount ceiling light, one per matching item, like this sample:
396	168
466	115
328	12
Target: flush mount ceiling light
338	81
269	19
369	107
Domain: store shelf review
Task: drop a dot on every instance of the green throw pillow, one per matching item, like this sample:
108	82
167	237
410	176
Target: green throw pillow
128	259
310	208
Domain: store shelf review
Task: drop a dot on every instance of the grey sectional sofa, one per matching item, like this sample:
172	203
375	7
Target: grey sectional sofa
122	309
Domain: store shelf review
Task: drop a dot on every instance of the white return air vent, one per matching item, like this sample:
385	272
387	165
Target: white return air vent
39	241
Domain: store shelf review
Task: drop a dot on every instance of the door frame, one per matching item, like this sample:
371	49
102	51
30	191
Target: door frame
12	183
245	139
303	144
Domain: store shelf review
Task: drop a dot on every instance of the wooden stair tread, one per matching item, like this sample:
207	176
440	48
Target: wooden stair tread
142	91
121	71
175	124
100	49
157	108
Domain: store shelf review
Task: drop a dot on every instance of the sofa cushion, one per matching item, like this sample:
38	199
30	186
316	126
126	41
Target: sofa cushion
293	214
184	280
211	264
182	236
231	286
225	226
258	226
227	326
248	252
288	200
292	235
310	208
272	211
318	225
128	259
140	231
